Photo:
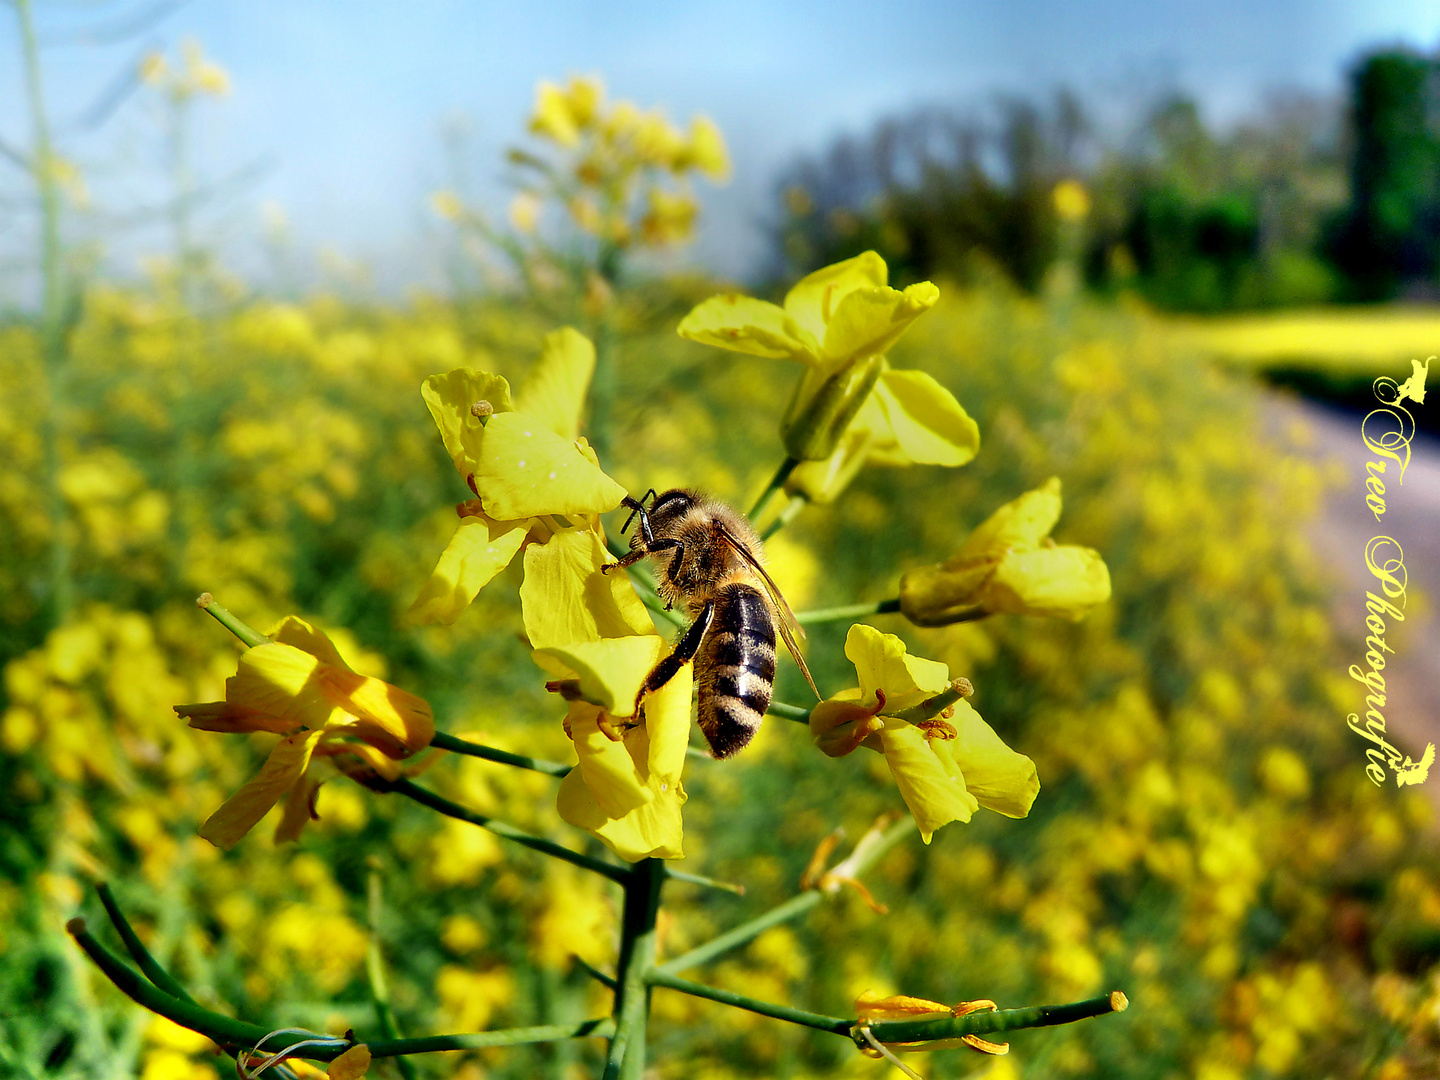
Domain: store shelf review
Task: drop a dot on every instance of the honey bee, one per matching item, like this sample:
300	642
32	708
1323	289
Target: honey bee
708	560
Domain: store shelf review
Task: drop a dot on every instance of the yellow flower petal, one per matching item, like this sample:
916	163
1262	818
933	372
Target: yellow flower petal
999	778
555	390
742	324
604	804
231	719
299	803
815	297
553	117
667	719
929	780
449	398
565	598
925	419
351	1065
866	322
479	550
706	151
882	662
390	719
840	724
611	671
614	782
1063	582
280	681
871	1006
293	630
1020	523
653	829
239	814
526	470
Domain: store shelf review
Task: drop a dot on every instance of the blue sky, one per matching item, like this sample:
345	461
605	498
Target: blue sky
346	102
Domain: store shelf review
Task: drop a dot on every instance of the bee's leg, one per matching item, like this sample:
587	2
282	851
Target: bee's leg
649	549
682	654
637	507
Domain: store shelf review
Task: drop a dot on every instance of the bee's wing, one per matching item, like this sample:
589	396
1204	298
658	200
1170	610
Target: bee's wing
790	630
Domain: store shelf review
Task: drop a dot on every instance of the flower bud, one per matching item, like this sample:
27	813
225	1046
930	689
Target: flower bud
1009	565
823	406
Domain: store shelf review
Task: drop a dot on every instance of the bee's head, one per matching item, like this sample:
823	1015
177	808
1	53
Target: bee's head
666	509
671	506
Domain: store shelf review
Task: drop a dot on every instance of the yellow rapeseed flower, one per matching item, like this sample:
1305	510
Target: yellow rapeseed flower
523	464
946	769
670	218
1009	564
298	686
590	631
839	322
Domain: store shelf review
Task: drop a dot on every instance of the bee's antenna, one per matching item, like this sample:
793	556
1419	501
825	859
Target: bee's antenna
636	507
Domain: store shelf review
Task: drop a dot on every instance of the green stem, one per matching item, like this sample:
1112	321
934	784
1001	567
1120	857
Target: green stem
709	883
776	483
52	320
443	741
789	712
375	974
599	1028
595	973
836	1024
141	955
546	847
222	1029
626	1060
248	635
849	612
988	1023
790	909
788	514
228	1031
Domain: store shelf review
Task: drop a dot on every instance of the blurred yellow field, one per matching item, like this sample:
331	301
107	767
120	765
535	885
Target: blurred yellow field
1359	340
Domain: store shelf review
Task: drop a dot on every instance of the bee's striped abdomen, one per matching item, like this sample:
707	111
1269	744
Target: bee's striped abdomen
736	668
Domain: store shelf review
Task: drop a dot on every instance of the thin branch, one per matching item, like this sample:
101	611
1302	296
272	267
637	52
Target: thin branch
375	972
125	83
15	156
504	757
412	790
595	973
848	612
788	513
987	1023
776	483
238	1033
709	883
141	955
797	713
222	1029
250	636
790	909
599	1028
835	1024
119	30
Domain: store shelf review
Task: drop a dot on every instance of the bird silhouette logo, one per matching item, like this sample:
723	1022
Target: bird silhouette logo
1415	772
1414	387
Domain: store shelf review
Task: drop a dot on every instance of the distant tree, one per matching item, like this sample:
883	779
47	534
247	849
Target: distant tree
1388	238
1190	219
937	193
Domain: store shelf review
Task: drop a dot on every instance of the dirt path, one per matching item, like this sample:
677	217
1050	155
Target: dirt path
1412	517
